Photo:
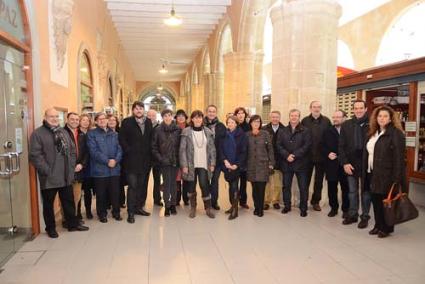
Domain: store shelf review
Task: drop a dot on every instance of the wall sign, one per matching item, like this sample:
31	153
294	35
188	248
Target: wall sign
11	19
410	126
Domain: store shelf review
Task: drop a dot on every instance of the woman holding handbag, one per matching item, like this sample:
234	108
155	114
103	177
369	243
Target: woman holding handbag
384	163
232	158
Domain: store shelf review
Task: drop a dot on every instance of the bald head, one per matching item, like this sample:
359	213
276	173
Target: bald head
51	115
152	114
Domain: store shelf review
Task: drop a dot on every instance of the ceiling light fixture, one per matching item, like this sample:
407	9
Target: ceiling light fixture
160	87
173	20
163	69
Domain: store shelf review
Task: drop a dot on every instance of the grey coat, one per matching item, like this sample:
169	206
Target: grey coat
42	155
187	150
260	156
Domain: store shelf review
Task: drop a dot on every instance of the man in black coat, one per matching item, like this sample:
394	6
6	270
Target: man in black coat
156	171
219	130
352	143
293	146
53	155
135	138
317	123
334	171
275	185
79	138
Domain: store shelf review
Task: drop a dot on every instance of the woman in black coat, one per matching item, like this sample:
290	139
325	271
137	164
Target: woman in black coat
383	162
260	162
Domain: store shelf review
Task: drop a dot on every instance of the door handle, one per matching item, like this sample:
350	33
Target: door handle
5	160
16	166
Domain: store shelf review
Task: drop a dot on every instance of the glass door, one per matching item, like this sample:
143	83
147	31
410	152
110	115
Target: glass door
15	204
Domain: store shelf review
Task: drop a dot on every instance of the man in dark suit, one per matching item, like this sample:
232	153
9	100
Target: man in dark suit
135	138
334	171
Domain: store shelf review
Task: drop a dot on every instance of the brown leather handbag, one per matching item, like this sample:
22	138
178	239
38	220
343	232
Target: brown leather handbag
398	208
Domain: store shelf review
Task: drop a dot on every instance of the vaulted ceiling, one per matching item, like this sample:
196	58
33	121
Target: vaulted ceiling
148	42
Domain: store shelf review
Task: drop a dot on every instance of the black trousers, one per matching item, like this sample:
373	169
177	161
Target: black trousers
182	191
66	197
333	193
156	173
378	210
214	185
122	190
202	176
137	190
233	190
89	191
319	173
169	191
258	192
243	197
107	188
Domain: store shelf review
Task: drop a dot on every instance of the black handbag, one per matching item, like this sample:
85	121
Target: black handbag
398	209
231	175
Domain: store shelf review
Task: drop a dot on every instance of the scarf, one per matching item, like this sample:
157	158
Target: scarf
59	138
359	124
141	123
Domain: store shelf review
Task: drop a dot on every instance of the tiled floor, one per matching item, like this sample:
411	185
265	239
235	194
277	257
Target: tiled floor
274	249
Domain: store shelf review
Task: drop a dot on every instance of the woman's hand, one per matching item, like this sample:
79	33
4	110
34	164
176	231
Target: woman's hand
185	170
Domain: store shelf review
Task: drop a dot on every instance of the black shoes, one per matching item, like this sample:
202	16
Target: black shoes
52	233
344	215
256	212
303	213
103	220
228	211
117	217
316	207
276	206
286	210
382	235
332	213
79	228
215	207
374	231
130	219
173	210
142	212
266	206
89	215
364	222
167	212
158	203
349	220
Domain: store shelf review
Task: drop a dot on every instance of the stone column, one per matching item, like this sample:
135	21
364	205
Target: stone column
240	85
304	64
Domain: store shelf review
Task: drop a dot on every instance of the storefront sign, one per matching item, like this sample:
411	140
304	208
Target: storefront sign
410	141
410	126
11	19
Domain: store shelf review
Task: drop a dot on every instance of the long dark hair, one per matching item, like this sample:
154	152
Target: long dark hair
373	123
254	118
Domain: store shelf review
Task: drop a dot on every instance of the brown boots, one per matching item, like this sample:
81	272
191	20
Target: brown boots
207	204
192	200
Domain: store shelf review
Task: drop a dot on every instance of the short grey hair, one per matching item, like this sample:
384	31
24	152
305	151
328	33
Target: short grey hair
295	110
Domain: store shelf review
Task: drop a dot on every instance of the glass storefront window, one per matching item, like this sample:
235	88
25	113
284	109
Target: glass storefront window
420	150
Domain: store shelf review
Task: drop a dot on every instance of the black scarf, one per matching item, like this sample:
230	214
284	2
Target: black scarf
59	137
359	124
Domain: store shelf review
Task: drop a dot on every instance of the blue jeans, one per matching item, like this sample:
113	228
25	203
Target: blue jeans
353	196
302	178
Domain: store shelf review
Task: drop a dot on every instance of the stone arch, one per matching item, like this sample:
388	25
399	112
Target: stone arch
150	94
401	33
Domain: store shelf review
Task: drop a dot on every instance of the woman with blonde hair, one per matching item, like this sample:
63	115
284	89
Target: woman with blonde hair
384	163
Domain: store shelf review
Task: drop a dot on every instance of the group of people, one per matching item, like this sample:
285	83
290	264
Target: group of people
364	155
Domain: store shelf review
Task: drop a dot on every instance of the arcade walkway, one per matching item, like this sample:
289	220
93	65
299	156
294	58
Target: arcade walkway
273	249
